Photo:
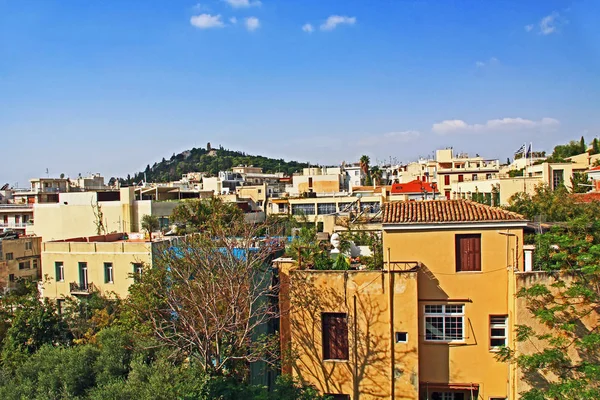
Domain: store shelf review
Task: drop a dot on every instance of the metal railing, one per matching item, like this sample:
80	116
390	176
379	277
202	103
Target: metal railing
78	288
13	225
15	206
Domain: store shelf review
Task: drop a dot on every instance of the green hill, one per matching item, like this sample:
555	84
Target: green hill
198	160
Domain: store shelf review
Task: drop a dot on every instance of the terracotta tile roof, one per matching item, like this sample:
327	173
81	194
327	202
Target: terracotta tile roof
438	211
415	186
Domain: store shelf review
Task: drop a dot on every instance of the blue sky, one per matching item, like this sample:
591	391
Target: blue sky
110	86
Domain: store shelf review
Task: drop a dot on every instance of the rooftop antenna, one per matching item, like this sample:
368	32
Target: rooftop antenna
47	173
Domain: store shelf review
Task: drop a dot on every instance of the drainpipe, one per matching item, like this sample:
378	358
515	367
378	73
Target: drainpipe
356	382
391	307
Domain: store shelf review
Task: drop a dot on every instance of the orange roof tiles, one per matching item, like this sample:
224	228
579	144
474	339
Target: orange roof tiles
436	211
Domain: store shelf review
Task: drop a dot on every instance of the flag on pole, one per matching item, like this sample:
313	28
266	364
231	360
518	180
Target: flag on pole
529	151
521	150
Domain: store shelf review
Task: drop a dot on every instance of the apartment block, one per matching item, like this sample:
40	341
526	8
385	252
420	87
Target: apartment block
19	259
83	214
106	264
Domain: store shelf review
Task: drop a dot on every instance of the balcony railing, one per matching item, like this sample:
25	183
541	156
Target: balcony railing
21	225
15	206
77	288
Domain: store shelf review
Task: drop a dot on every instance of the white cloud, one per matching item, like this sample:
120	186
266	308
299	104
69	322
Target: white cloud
243	3
490	62
335	20
252	23
200	7
494	125
233	20
207	21
308	28
548	24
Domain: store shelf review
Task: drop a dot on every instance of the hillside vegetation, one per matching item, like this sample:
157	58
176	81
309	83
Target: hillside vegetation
198	160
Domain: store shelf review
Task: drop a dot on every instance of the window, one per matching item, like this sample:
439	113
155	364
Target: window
9	256
444	323
461	178
138	268
498	328
557	178
17	219
338	396
11	277
488	176
447	396
35	263
325	208
59	270
83	276
335	336
28	245
303	209
108	273
446	179
370	206
401	337
356	173
468	253
474	177
25	265
310	182
259	191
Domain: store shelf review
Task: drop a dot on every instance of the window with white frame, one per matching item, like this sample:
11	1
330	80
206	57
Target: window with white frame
444	322
447	396
498	331
303	209
326	208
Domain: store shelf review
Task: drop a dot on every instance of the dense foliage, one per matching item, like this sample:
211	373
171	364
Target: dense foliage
565	337
198	160
552	205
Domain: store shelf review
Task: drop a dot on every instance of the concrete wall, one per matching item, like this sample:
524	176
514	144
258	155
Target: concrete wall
482	293
365	297
525	317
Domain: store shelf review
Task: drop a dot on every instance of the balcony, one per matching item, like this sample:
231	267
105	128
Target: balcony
14	225
15	207
79	289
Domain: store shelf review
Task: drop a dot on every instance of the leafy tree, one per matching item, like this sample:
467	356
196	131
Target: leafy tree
582	146
207	214
554	205
150	223
595	147
580	182
29	322
566	362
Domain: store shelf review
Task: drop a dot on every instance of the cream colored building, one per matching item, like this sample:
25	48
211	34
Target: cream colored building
92	213
15	217
328	180
19	259
106	264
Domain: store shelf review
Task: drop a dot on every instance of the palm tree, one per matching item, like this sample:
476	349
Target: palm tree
376	175
364	164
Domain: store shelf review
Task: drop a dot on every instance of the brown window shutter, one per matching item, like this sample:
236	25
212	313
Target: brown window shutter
468	252
335	336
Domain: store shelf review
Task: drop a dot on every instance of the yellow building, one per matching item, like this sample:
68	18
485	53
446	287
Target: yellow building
19	259
468	255
106	264
451	267
348	334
